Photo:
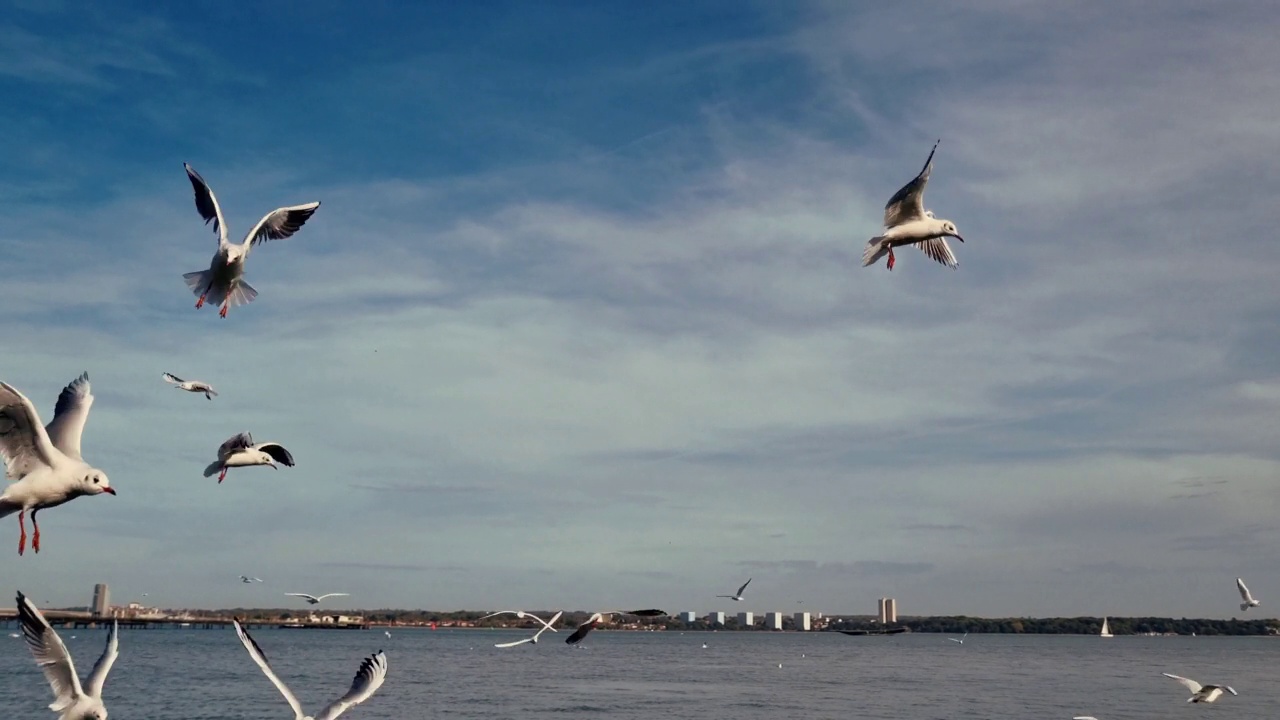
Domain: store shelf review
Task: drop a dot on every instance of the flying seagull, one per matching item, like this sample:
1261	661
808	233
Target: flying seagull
370	676
1201	693
1245	596
239	451
223	283
312	599
247	579
597	618
545	627
73	700
960	640
736	597
45	460
194	386
521	614
906	222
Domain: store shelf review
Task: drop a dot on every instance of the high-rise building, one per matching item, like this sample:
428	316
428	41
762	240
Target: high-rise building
101	600
802	621
689	616
716	618
888	611
773	621
746	619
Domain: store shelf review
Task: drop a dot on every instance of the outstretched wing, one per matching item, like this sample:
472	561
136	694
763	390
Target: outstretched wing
1244	590
98	677
548	625
304	595
50	654
239	441
329	595
69	416
281	223
649	612
908	203
256	653
171	378
517	642
277	453
583	629
207	204
23	440
744	587
938	250
1188	683
370	676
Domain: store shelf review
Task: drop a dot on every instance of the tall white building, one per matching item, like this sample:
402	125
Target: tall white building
888	611
746	619
101	600
802	621
689	616
773	621
715	618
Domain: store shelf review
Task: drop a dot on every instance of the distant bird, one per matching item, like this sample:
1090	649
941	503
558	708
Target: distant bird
1245	596
387	633
247	579
239	451
521	614
1201	693
223	283
1084	717
704	646
71	699
736	597
45	461
312	599
370	676
906	222
960	640
190	385
549	625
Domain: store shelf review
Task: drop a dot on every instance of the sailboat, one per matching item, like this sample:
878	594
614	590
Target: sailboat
1106	629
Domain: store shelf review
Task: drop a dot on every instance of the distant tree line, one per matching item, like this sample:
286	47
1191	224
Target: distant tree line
1092	625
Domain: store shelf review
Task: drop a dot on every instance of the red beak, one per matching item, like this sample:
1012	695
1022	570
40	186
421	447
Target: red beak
109	490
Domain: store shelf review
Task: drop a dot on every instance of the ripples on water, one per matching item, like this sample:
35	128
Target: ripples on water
193	674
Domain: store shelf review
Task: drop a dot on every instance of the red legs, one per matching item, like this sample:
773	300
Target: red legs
223	311
222	475
22	525
891	260
200	302
35	539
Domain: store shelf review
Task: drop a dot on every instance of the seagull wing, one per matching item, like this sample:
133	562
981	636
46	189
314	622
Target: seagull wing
255	652
908	203
517	642
204	387
649	612
207	204
281	223
1244	590
69	416
98	677
1188	683
548	625
332	595
313	598
938	249
583	629
23	440
1230	689
277	453
744	587
234	444
370	676
171	378
50	654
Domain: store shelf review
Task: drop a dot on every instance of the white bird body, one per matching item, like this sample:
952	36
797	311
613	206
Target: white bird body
737	597
73	700
315	600
906	222
240	451
45	461
546	625
223	283
1245	595
194	386
1201	693
960	639
370	676
247	579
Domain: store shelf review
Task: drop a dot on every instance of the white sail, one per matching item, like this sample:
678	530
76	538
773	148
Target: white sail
1106	629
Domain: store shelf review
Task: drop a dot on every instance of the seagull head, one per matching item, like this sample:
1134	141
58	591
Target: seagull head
949	229
96	483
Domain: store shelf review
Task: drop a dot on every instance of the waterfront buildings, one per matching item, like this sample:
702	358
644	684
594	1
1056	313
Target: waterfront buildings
689	616
715	618
746	619
888	611
101	600
773	621
802	621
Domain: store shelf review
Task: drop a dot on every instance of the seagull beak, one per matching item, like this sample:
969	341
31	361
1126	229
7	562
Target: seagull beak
109	490
958	238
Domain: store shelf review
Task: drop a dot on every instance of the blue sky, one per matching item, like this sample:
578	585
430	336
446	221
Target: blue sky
581	323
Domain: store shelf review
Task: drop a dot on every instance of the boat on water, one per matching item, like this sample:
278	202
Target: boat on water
1106	629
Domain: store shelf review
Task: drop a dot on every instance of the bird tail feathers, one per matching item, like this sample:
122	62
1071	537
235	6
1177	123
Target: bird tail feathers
242	294
877	247
1244	606
197	281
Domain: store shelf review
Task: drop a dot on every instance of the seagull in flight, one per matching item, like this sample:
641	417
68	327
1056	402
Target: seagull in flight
223	283
960	640
737	597
1245	596
906	222
1201	693
194	386
597	618
45	459
521	614
370	676
548	625
312	599
240	451
247	579
73	700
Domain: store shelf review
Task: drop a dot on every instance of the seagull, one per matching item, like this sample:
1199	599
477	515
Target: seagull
223	283
1084	717
45	461
387	633
736	597
239	451
597	618
960	640
247	579
1201	693
370	676
190	385
545	627
906	222
1245	596
73	700
312	599
522	615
